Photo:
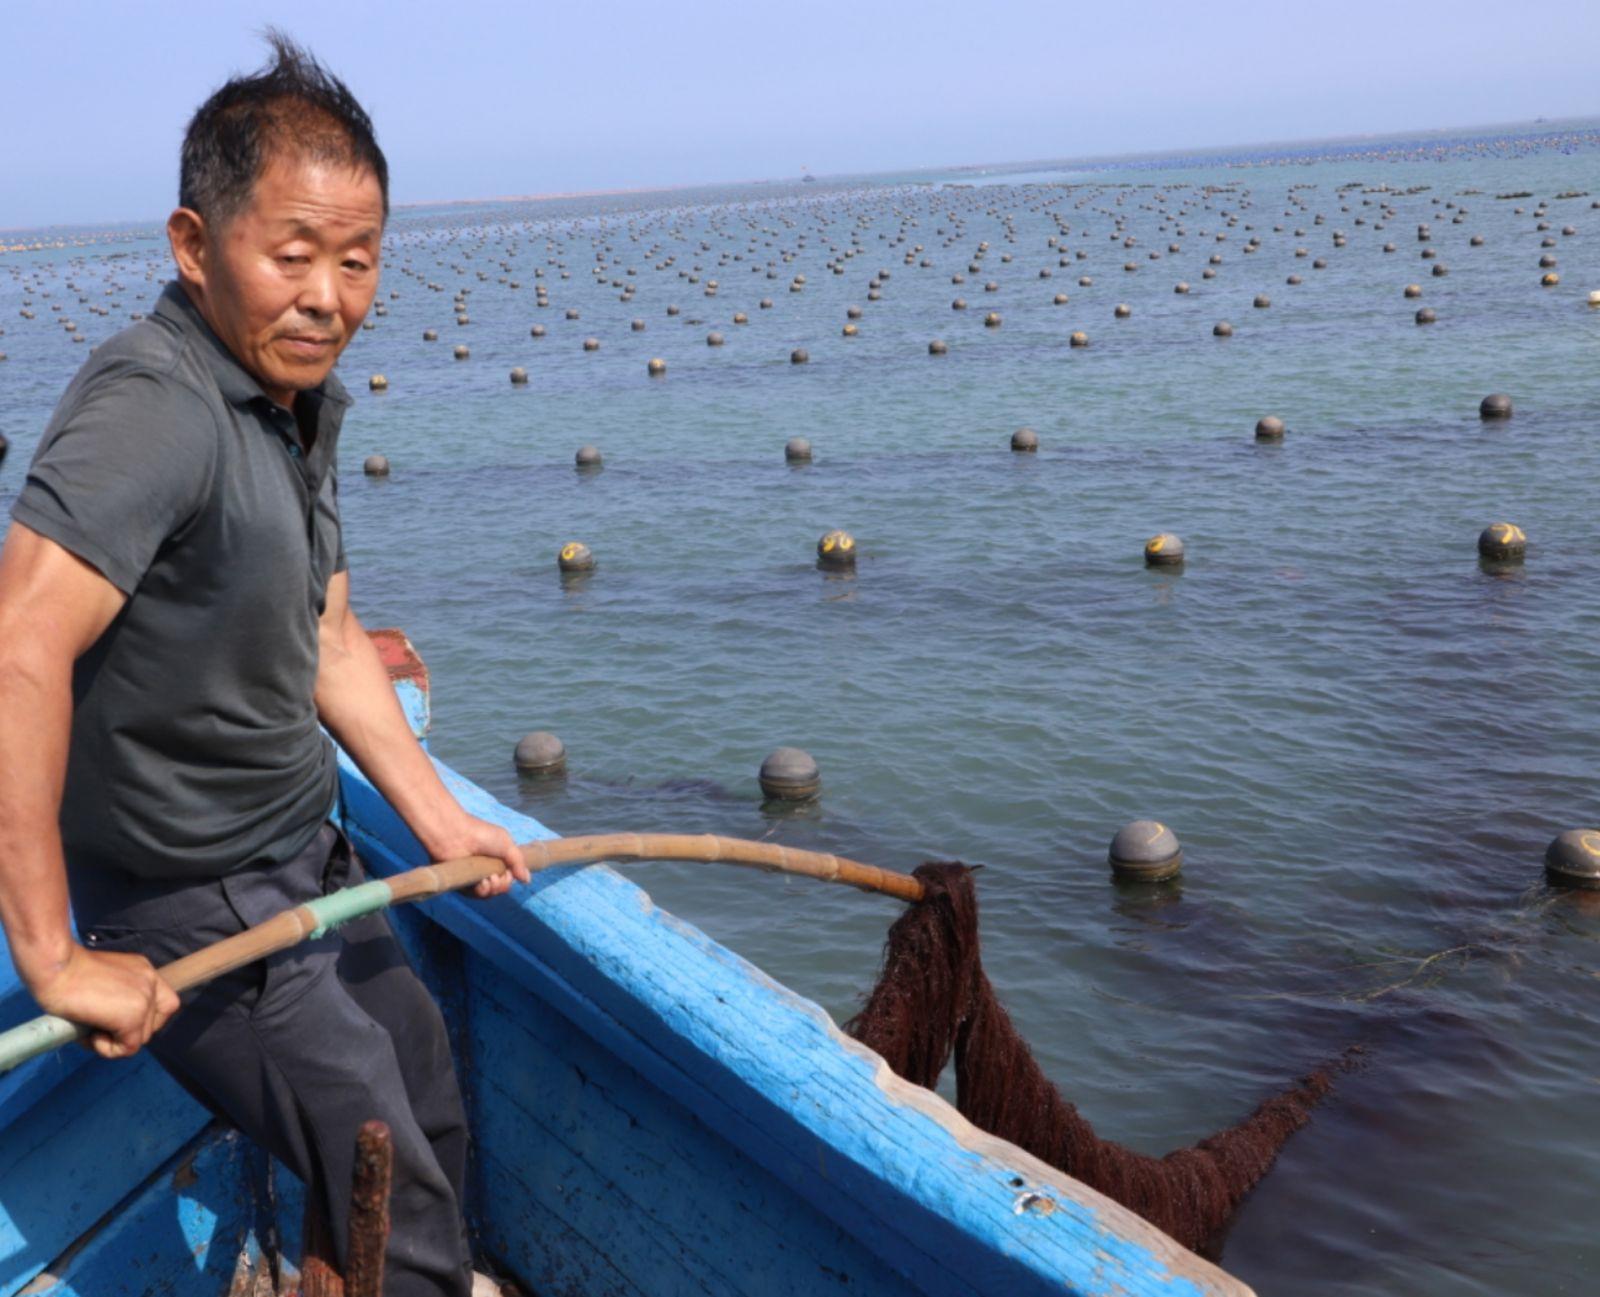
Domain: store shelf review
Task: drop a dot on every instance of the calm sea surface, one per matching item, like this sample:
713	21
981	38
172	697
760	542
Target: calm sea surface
1363	739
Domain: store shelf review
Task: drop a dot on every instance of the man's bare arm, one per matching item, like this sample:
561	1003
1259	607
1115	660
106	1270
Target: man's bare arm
358	705
53	606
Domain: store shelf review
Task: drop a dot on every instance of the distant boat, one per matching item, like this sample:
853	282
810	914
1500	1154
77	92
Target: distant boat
805	175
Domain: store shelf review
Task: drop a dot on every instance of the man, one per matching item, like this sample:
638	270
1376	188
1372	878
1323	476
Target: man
174	623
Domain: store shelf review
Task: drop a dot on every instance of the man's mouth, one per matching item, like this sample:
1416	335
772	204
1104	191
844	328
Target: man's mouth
308	344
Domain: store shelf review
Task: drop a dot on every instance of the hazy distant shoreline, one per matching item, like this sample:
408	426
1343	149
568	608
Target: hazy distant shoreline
1102	161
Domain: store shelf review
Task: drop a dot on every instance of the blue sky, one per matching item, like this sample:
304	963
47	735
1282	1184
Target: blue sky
483	99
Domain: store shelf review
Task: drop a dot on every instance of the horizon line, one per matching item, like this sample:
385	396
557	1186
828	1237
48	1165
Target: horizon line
1038	163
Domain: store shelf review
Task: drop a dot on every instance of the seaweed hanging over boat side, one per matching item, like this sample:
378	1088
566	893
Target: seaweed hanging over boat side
934	999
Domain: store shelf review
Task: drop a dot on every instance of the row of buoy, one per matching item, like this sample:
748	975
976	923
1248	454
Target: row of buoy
1143	851
1498	543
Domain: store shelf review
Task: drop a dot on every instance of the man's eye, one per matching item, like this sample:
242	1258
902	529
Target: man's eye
356	265
293	260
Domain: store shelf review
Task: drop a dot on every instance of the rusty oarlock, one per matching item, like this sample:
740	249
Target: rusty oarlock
369	1226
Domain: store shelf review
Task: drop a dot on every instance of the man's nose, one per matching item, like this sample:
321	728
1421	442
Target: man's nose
319	290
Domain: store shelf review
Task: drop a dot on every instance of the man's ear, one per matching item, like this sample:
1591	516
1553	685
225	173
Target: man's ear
186	232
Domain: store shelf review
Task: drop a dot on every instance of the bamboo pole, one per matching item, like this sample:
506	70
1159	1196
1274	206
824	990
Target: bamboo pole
323	914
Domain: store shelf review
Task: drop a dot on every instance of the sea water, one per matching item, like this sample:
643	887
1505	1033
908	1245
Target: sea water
1363	738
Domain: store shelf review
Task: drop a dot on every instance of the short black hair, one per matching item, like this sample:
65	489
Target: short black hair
294	107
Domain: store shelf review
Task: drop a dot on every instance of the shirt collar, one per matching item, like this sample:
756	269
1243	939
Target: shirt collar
232	379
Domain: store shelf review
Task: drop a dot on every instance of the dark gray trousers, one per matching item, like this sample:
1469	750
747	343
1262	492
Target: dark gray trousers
299	1050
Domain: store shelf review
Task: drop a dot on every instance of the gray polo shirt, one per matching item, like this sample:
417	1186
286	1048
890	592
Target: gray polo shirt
195	745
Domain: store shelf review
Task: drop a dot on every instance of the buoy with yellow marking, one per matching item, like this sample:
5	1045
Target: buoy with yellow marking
1145	851
1573	859
790	775
1503	542
575	556
540	753
378	383
657	367
1164	550
836	550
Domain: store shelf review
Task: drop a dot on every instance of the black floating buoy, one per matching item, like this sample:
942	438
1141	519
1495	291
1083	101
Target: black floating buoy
1222	329
1573	859
790	775
656	367
1262	302
1503	542
430	335
378	383
992	320
714	339
519	376
537	331
4	446
540	753
1164	550
1145	851
461	352
1269	428
588	458
1024	441
938	347
575	556
797	450
1497	405
591	344
1180	287
1122	311
799	356
837	549
376	466
1413	290
1426	315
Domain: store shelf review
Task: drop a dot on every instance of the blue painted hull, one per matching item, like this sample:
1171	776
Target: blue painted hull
652	1116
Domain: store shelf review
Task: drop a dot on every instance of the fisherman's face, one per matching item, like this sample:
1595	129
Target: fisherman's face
290	277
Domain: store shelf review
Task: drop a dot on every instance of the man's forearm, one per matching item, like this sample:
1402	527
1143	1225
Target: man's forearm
36	707
357	703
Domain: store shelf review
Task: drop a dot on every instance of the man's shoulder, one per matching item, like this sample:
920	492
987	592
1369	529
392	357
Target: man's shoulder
147	369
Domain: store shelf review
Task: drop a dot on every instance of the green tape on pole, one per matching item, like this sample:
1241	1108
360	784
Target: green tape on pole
38	1036
338	908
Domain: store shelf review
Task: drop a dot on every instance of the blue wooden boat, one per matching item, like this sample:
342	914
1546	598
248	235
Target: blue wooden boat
652	1116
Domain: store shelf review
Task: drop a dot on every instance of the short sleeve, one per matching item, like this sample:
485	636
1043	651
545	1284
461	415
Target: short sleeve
127	465
328	516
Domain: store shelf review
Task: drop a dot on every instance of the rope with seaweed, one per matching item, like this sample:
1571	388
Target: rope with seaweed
932	1000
